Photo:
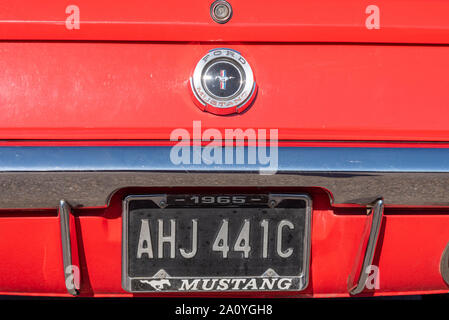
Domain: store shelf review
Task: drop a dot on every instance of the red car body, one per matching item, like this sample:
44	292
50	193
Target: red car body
324	81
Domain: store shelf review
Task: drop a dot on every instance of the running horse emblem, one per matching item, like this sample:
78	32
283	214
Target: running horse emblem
223	78
158	285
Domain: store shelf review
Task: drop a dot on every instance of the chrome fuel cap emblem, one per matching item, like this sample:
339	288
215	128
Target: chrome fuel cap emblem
223	82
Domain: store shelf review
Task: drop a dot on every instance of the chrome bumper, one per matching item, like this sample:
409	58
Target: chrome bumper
39	177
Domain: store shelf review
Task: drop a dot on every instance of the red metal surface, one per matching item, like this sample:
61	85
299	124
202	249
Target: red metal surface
349	88
401	21
408	254
63	90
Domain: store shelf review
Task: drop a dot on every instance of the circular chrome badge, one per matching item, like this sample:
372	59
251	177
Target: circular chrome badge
223	82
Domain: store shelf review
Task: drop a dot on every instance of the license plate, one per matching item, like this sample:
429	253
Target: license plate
197	242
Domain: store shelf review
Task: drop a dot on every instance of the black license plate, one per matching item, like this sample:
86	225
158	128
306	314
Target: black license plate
245	242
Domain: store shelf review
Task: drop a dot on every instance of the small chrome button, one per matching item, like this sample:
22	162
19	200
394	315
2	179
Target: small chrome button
221	11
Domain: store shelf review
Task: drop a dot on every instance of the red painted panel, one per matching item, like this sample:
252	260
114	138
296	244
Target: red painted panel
408	254
31	255
140	91
401	21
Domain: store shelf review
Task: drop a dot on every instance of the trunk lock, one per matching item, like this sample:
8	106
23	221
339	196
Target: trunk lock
221	11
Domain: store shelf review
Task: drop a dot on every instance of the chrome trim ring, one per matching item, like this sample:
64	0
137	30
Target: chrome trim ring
225	105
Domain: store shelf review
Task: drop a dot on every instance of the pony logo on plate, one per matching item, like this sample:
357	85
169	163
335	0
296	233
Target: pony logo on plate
157	284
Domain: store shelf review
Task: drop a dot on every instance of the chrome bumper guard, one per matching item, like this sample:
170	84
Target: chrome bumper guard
69	244
357	279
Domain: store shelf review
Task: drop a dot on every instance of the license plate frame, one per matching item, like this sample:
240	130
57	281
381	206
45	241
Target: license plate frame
162	281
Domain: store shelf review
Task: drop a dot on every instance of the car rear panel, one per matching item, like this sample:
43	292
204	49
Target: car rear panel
402	21
412	241
307	91
324	81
